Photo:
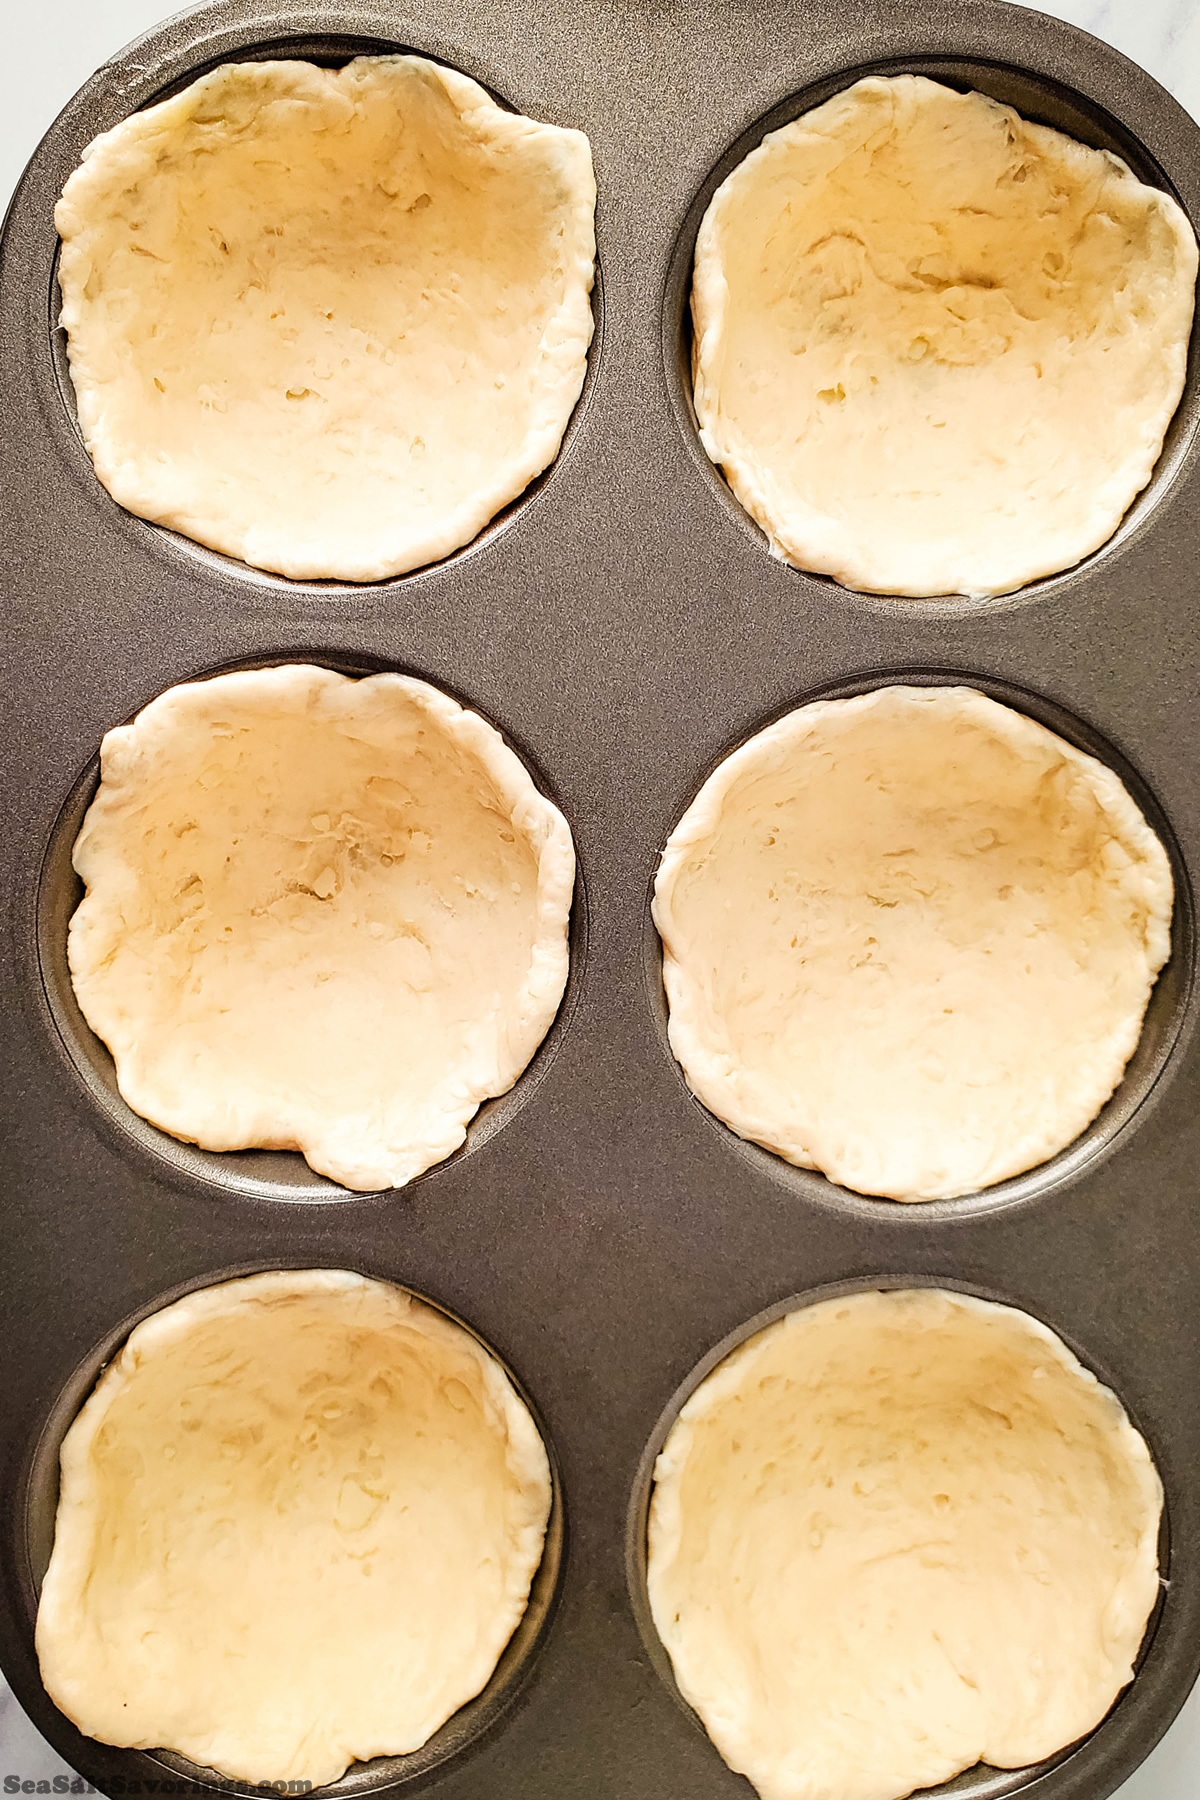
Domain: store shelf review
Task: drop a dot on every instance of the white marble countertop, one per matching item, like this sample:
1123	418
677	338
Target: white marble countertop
66	45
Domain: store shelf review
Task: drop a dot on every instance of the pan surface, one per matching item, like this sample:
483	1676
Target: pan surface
624	627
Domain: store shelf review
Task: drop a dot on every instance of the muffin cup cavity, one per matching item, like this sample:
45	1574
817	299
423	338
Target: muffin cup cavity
165	72
33	1532
1146	1070
257	1174
981	1782
1038	98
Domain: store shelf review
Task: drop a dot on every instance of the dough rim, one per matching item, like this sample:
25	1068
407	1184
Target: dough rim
664	1529
563	363
706	1068
857	566
532	814
527	1459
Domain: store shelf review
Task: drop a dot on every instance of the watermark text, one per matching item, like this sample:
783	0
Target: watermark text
124	1786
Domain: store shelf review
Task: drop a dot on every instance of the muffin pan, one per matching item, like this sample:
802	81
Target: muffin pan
625	627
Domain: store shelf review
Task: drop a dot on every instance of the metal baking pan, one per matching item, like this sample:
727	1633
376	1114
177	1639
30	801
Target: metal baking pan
625	627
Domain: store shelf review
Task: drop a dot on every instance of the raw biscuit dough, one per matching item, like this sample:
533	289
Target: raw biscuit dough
895	1535
322	914
909	939
937	347
328	321
298	1521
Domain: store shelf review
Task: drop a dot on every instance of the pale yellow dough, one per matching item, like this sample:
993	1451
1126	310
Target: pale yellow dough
328	321
298	1522
322	915
895	1535
909	939
937	347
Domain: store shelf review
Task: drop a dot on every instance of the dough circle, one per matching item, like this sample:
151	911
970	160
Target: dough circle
298	1521
322	914
329	321
909	940
895	1535
937	347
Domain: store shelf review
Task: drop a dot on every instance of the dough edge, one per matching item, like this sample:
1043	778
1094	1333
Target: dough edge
565	344
532	814
706	1068
665	1528
527	1459
814	542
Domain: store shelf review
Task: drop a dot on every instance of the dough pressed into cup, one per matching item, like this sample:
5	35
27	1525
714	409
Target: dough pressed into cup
327	321
895	1535
298	1521
322	914
909	939
937	346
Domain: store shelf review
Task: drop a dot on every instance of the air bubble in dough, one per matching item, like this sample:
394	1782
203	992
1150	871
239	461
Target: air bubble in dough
937	346
329	321
298	1521
322	914
895	1535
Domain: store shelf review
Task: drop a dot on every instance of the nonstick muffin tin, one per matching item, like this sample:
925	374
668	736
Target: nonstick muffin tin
624	625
